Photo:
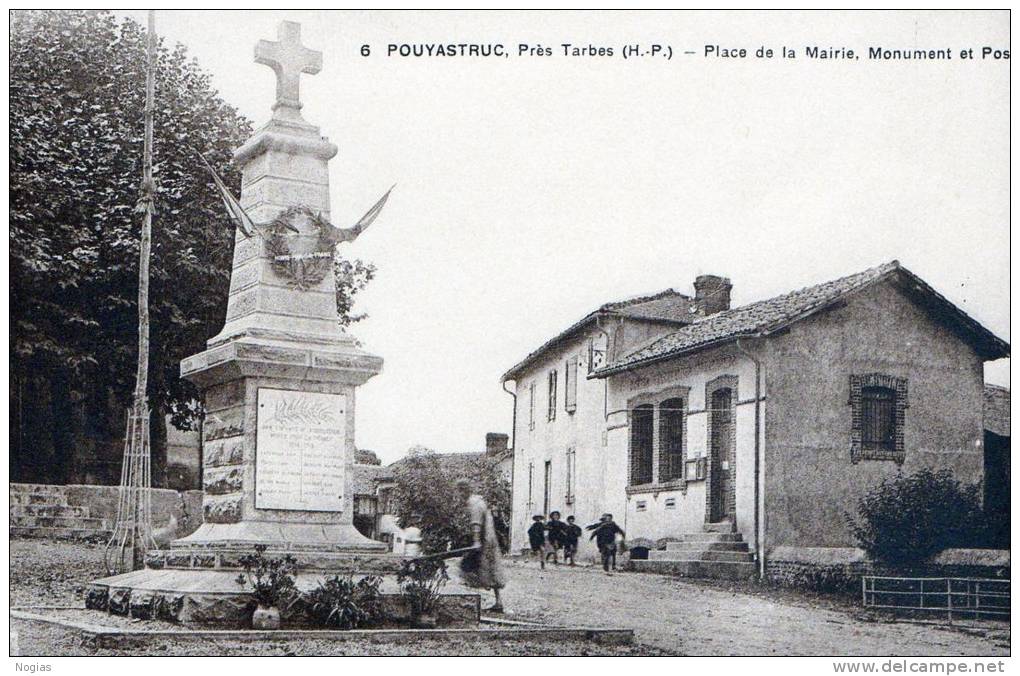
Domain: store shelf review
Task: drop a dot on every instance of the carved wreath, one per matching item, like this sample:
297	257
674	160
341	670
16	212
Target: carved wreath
303	270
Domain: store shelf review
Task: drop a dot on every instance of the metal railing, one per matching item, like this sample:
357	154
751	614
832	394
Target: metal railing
957	597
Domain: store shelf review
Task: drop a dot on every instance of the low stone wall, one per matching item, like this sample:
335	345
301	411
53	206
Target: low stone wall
839	569
184	507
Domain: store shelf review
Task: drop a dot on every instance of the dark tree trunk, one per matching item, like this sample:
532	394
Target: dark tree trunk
61	422
157	447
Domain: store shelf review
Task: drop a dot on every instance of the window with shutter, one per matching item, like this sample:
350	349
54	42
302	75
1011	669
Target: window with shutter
570	385
531	406
552	395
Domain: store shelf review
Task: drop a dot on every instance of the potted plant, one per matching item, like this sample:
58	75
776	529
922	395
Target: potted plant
342	603
421	581
272	584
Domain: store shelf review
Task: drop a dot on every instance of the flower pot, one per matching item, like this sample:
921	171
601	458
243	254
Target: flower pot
425	621
265	617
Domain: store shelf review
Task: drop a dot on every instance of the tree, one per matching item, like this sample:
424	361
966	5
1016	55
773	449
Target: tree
426	496
77	87
906	520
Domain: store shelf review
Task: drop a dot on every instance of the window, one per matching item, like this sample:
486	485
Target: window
531	488
642	505
878	410
570	385
878	423
531	406
671	440
641	434
552	395
548	487
569	497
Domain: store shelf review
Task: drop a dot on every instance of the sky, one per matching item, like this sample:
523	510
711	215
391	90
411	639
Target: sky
530	189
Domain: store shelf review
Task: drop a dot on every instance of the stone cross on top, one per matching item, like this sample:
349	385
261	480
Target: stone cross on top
288	58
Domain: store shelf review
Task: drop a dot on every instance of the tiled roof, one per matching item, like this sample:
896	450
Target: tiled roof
765	316
997	410
665	306
457	465
365	477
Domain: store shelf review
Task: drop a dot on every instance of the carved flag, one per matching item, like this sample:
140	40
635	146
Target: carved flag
238	216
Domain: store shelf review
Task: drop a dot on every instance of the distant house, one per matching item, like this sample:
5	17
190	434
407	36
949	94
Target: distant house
374	501
756	427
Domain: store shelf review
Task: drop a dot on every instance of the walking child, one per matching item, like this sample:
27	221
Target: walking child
570	537
536	537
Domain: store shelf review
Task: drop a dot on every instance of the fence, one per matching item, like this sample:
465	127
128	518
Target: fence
955	596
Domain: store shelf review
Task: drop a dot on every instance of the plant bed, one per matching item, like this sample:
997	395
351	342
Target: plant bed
100	632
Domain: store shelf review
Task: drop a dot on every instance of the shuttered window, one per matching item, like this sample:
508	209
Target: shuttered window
552	394
570	385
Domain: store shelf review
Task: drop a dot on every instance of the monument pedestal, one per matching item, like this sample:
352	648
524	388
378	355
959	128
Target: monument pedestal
278	383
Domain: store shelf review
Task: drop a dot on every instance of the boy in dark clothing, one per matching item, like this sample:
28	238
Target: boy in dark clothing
570	537
536	536
556	530
604	535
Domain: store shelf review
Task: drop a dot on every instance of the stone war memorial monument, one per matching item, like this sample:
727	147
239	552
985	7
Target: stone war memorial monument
278	383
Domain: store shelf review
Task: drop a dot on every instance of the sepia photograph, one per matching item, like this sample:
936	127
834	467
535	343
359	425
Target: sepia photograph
448	333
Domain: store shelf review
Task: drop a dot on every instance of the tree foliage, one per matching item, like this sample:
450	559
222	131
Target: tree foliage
76	131
426	496
906	520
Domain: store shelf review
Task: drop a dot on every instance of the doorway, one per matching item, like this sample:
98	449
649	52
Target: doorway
721	499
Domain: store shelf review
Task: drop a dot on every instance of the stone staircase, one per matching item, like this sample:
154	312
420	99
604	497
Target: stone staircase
42	511
718	552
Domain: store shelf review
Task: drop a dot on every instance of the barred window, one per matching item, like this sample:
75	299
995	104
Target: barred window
641	435
671	440
878	419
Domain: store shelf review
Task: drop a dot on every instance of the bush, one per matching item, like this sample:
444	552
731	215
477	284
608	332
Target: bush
271	579
345	604
421	581
909	519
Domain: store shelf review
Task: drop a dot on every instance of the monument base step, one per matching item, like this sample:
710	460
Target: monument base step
229	558
214	598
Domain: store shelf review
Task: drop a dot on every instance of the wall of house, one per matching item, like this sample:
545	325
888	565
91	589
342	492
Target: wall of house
663	510
810	480
549	441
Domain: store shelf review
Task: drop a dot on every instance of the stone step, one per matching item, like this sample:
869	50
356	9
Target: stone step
61	533
720	527
710	555
49	510
54	499
706	546
73	522
711	537
37	488
717	570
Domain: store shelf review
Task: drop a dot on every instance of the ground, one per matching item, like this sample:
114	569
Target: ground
669	616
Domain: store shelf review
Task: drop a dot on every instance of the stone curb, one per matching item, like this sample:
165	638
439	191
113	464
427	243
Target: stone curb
111	637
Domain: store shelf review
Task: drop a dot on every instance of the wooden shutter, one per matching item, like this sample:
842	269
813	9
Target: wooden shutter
570	385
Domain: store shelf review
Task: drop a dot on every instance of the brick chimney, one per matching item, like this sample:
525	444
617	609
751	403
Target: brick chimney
712	294
496	443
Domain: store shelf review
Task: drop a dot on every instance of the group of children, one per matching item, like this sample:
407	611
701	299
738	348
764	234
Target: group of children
548	538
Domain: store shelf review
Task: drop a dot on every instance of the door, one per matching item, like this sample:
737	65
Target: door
721	416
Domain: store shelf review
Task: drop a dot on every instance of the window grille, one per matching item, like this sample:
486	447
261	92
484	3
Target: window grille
641	435
671	440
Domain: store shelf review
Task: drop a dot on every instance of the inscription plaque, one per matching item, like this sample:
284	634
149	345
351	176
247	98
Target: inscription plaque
299	450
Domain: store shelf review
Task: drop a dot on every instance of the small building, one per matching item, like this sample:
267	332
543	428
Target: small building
681	415
997	492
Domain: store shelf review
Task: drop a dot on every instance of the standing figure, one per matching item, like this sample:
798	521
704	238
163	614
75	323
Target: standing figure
604	535
556	532
536	537
571	535
482	568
